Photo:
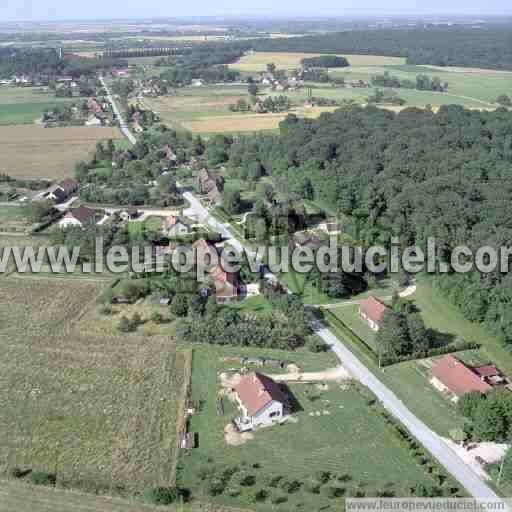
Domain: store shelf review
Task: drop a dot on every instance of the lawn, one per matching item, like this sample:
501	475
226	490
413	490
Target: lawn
13	219
23	105
346	438
33	151
98	408
257	61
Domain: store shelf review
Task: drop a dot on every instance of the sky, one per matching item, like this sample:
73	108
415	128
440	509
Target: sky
35	10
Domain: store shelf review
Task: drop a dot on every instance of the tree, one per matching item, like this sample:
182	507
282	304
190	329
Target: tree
271	67
469	403
504	99
418	333
232	201
179	305
489	421
161	495
393	335
253	89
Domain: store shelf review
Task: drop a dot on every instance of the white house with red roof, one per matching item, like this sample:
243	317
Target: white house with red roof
175	226
372	310
261	401
78	217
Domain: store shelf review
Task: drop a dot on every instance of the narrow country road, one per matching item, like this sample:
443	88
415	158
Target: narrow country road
122	122
453	464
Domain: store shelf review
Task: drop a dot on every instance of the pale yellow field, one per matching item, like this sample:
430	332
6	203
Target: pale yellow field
31	151
258	61
248	122
477	71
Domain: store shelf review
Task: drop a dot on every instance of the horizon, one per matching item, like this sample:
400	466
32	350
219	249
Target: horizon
57	11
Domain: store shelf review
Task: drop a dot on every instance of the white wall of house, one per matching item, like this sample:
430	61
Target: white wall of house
178	229
373	325
271	413
67	222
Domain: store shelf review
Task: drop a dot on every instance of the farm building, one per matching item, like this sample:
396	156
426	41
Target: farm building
78	217
209	183
371	310
453	375
261	401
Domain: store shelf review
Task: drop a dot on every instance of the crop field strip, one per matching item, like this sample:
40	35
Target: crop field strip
36	152
100	409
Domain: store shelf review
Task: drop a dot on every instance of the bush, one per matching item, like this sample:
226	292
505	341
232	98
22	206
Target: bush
43	478
106	310
291	486
316	344
161	495
260	495
278	498
179	305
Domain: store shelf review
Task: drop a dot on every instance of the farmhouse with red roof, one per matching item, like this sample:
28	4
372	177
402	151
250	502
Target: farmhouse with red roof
261	400
371	310
453	375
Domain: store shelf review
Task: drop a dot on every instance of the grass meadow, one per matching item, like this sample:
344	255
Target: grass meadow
333	430
23	105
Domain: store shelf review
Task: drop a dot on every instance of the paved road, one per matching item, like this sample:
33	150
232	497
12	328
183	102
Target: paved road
427	437
122	123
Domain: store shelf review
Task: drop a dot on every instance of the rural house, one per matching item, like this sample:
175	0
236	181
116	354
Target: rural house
452	375
174	226
261	401
371	310
78	217
61	191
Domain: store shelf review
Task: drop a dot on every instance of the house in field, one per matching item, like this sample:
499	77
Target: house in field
452	375
261	400
175	226
371	310
61	191
228	285
78	217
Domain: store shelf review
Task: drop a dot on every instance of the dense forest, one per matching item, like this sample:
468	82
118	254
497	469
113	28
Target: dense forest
47	62
414	174
485	47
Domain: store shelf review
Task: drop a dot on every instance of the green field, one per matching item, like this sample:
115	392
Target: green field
205	109
23	105
347	439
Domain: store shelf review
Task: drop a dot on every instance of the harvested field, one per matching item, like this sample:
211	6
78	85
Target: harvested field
26	498
248	122
33	151
100	409
258	61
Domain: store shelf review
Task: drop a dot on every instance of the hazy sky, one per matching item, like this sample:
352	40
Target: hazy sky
12	10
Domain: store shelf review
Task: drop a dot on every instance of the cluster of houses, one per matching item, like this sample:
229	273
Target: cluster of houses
210	184
99	113
291	83
449	374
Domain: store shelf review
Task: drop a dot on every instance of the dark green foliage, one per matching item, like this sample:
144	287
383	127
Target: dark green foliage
441	46
179	305
316	344
325	61
416	174
161	495
43	478
504	99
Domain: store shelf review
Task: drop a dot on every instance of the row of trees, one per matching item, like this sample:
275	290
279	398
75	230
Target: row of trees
423	82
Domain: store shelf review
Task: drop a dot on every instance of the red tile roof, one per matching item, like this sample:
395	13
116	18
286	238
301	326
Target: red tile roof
68	185
82	214
256	390
486	371
373	308
457	377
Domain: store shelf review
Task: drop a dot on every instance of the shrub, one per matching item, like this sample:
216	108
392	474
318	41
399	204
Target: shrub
291	486
161	495
278	498
43	478
316	344
106	310
215	487
260	495
334	491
